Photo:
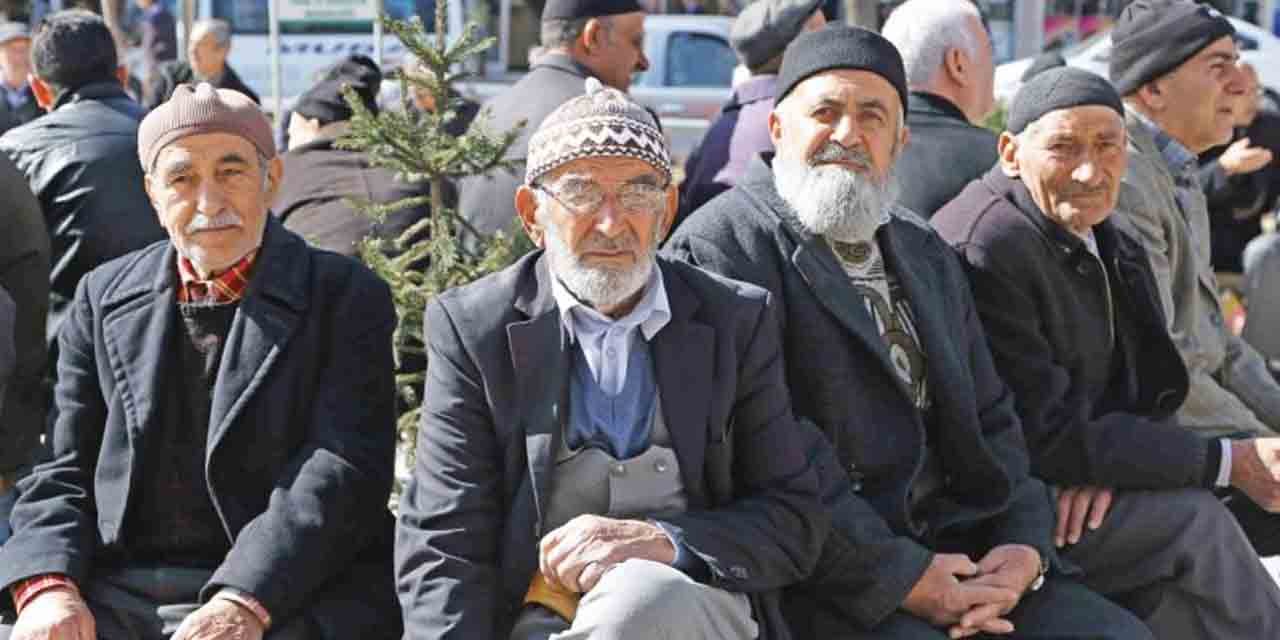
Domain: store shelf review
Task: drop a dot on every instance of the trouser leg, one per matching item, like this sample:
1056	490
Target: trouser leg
1067	610
1183	564
1261	526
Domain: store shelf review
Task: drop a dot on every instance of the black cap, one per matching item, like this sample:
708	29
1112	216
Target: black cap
1060	88
1044	62
324	101
576	9
841	47
1153	37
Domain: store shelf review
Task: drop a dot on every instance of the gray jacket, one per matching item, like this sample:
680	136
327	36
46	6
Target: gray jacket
1230	387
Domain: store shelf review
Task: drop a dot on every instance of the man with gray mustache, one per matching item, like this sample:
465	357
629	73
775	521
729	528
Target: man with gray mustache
938	529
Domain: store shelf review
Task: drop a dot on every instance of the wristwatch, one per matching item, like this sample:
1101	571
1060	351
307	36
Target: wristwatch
1044	571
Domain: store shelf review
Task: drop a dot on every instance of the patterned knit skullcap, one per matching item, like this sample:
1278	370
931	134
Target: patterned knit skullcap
603	123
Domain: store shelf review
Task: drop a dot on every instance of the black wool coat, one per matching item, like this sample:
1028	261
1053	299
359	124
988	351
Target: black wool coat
841	378
944	153
301	435
1095	395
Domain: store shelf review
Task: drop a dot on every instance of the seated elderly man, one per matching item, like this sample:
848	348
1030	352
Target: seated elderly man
224	441
945	533
1074	322
607	448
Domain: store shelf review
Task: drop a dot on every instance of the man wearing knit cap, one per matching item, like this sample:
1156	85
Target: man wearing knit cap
948	57
741	131
607	449
1074	323
224	441
601	39
939	531
1175	64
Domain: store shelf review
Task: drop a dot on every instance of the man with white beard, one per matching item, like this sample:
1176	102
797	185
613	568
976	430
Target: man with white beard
940	531
607	449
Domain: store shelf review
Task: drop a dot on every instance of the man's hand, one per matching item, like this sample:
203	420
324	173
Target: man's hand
220	620
1241	158
943	600
1255	470
576	555
1076	506
56	614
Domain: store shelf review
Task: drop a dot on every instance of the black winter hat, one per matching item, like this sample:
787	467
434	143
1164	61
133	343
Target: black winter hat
1060	88
841	47
576	9
1153	37
324	101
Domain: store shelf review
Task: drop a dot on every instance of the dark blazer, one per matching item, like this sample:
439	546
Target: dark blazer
841	378
175	72
301	435
488	202
1237	203
945	153
470	518
24	272
1093	414
8	360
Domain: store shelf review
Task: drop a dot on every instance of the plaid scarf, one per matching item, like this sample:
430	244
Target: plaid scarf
224	288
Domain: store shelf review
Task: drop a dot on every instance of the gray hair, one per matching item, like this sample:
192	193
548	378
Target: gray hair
560	33
925	30
218	28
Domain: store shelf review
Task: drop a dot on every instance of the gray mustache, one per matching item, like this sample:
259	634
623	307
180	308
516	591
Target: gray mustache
833	152
202	222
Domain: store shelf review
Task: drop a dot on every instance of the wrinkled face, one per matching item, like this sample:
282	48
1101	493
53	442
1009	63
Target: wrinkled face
621	52
212	194
15	61
1071	160
207	58
1198	99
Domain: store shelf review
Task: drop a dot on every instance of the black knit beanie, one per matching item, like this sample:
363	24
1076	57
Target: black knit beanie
324	101
841	47
1153	37
1060	88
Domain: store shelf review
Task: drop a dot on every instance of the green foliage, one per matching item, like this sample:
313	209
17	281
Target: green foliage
430	256
995	120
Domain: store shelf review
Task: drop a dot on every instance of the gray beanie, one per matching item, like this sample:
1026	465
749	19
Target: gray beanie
764	29
1153	37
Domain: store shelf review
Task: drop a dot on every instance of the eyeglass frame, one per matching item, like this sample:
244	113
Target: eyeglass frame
542	187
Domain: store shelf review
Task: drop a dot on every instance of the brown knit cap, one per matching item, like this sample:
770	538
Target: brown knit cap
203	109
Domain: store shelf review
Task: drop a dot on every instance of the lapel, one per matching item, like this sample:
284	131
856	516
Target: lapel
683	357
540	363
274	304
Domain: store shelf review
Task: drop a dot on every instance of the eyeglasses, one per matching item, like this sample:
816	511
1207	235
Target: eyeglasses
585	197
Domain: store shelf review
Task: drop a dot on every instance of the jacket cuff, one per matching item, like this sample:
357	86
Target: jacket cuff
1213	462
686	560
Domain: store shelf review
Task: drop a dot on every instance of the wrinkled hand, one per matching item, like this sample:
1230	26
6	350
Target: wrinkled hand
1010	567
1078	506
576	555
1255	470
56	614
1241	158
220	620
944	595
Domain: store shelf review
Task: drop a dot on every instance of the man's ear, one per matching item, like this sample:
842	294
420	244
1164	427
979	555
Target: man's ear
593	34
1152	96
122	74
275	177
1007	148
775	127
42	91
956	64
527	209
669	216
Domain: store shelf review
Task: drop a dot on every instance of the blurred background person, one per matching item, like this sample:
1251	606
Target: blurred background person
207	51
19	104
157	37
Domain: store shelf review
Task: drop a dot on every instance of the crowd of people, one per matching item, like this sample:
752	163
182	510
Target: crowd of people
871	371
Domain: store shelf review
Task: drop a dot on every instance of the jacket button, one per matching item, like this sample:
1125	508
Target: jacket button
660	465
1084	269
739	572
618	470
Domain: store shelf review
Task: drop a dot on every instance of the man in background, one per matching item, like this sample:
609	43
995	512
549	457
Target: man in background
207	51
19	104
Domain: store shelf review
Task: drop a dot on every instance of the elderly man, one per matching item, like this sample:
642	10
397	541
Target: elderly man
604	430
945	530
741	130
602	39
1073	319
207	51
1175	64
19	105
224	441
948	57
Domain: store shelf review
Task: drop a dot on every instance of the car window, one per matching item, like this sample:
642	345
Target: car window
250	17
699	60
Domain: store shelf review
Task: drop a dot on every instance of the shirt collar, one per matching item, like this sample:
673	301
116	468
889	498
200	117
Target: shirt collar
1179	159
222	288
651	314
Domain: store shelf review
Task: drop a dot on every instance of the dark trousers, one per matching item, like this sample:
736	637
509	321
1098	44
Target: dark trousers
1262	527
150	604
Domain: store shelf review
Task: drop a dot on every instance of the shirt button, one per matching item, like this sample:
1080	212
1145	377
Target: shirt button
619	470
611	352
660	465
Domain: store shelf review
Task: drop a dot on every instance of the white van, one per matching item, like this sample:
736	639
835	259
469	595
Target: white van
307	49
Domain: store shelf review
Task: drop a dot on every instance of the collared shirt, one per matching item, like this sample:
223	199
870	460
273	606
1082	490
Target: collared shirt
15	97
223	288
606	342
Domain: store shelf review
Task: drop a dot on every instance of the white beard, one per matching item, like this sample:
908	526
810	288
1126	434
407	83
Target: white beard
596	286
832	200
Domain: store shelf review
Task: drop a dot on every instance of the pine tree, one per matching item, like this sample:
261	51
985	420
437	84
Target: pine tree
429	257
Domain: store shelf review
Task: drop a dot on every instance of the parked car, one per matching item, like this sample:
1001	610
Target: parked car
1256	45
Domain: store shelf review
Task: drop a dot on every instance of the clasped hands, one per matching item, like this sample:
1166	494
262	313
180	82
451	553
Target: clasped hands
575	556
970	598
61	614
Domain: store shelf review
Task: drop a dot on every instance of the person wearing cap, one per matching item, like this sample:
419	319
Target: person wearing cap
942	532
225	432
606	449
948	57
207	50
19	105
94	205
741	130
1073	318
323	184
1174	62
581	39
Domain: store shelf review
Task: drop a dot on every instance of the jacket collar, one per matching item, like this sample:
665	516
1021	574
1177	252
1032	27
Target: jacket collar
935	105
756	89
563	62
92	91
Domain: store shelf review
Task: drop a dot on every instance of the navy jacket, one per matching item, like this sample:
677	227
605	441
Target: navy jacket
301	436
